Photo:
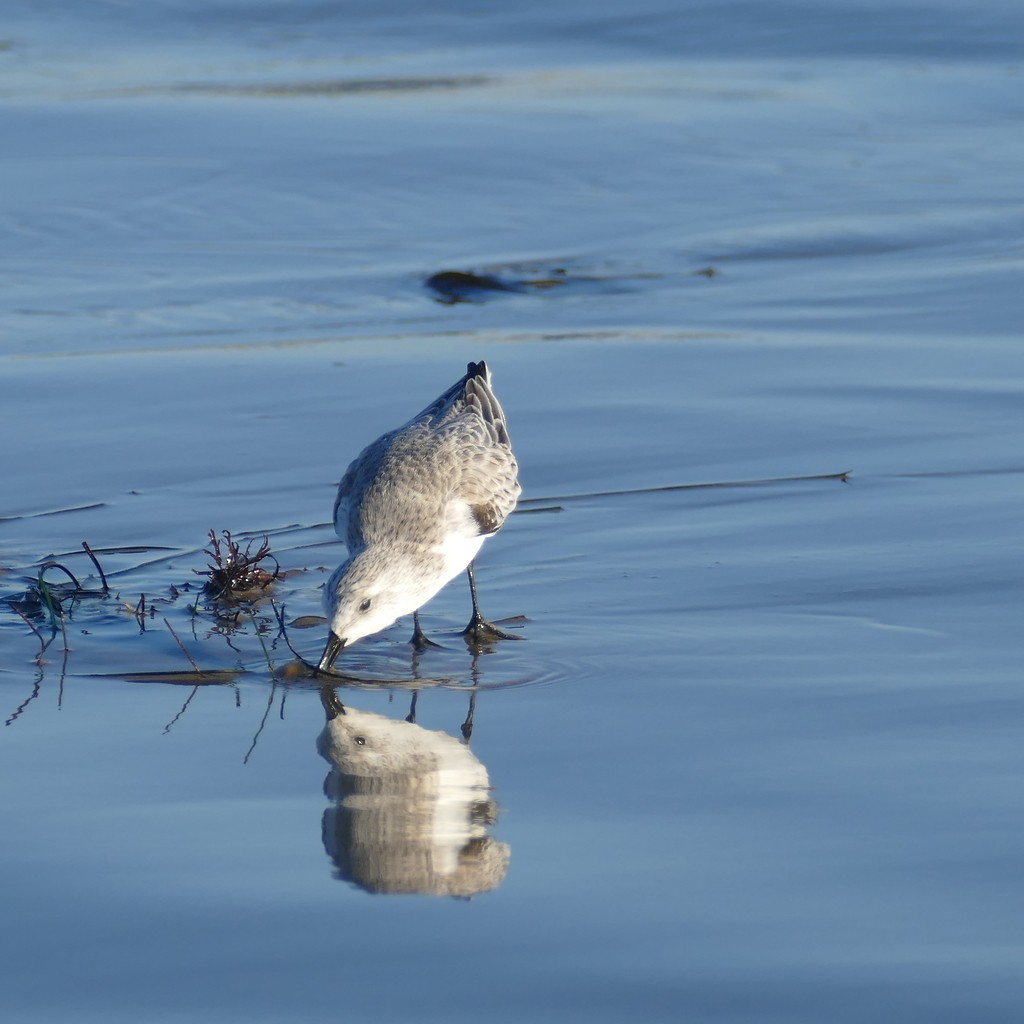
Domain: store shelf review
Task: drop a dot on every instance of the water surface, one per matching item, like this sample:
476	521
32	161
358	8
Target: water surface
754	323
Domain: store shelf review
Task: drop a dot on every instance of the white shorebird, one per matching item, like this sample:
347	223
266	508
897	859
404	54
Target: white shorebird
414	509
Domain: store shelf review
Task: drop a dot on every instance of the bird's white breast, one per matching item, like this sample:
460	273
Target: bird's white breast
461	541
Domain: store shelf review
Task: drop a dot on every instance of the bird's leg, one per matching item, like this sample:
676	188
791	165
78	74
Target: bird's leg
419	638
467	725
479	630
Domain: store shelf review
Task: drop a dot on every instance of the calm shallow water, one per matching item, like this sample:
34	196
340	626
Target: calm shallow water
759	757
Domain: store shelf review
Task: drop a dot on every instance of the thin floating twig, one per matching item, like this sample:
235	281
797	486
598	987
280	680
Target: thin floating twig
99	568
31	625
63	568
279	613
184	649
259	636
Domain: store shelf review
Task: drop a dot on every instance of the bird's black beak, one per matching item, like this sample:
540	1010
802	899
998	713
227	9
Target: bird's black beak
332	706
334	647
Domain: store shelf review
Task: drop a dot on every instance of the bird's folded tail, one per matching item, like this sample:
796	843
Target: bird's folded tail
474	371
480	395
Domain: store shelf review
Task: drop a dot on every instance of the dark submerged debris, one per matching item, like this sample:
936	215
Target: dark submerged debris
234	572
308	621
451	286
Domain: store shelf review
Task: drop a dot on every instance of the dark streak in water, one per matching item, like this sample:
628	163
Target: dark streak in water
943	473
327	87
841	477
454	286
53	512
133	549
205	677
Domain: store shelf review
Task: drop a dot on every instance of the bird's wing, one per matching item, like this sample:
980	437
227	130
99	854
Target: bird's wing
488	472
341	504
358	477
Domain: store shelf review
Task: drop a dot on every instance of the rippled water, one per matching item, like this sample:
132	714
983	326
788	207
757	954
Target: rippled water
747	279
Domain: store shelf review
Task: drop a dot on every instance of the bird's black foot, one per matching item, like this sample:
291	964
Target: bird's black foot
420	640
467	725
480	631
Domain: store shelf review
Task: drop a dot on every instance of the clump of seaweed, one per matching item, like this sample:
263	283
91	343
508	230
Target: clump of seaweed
236	573
45	598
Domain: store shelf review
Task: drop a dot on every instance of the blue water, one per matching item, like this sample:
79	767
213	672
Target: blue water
758	340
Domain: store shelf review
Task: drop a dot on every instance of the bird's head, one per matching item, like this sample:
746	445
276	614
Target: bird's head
365	595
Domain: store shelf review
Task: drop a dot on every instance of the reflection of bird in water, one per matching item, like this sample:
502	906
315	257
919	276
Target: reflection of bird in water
414	509
410	807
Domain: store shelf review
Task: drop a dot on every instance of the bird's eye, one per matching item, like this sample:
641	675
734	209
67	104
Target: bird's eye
365	606
360	741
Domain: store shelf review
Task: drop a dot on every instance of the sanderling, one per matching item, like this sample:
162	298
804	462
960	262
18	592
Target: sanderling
414	509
